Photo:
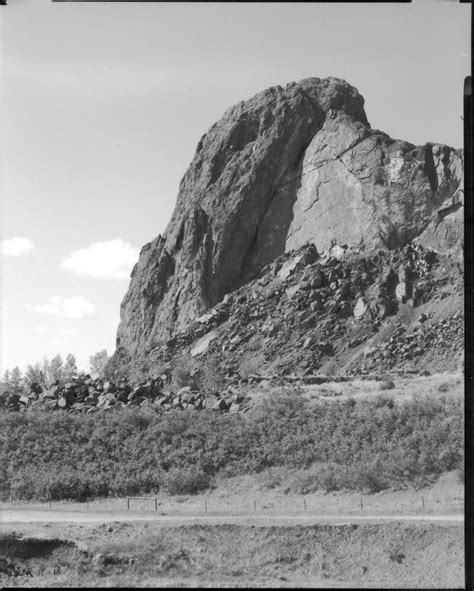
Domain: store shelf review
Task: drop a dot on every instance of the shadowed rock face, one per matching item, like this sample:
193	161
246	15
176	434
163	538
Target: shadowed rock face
290	166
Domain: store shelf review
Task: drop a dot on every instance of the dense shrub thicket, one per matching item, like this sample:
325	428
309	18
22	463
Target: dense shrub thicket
366	444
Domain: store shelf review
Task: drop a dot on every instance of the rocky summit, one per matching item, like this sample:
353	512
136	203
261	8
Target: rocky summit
303	239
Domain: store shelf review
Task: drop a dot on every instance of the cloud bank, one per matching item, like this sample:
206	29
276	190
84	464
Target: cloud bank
76	307
17	247
111	259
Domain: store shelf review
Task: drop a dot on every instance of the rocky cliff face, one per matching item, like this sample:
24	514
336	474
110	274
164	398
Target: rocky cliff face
290	166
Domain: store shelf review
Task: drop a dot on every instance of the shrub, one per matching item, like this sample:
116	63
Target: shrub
181	481
251	364
370	478
387	384
384	400
184	373
444	387
273	477
364	444
212	380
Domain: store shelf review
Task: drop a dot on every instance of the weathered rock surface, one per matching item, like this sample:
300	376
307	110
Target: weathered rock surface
359	324
290	166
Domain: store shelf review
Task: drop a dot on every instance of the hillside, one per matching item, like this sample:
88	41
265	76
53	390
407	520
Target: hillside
300	237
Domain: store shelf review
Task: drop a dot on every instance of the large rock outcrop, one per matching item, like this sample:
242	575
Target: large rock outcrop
290	166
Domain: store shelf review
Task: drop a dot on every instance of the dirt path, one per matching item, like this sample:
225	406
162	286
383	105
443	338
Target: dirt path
52	516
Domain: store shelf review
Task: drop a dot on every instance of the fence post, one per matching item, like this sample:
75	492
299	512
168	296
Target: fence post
128	503
361	504
205	506
255	506
156	504
304	503
423	501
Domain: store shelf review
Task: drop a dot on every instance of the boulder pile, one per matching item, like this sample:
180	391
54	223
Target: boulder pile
349	312
87	395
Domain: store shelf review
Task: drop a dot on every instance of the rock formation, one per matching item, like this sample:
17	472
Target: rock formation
290	166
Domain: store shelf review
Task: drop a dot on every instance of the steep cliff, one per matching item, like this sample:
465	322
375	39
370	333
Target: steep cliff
290	166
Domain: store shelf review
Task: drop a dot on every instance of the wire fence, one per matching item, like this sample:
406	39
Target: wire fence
298	505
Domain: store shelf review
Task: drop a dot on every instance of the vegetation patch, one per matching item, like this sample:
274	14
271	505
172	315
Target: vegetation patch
365	444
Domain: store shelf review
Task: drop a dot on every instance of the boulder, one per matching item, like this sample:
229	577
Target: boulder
370	351
219	405
360	308
401	292
63	403
50	393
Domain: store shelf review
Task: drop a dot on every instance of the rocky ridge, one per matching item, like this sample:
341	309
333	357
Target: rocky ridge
293	166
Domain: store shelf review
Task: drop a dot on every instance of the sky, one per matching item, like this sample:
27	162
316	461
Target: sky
103	105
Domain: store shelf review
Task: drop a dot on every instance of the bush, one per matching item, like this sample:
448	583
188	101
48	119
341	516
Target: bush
363	444
370	479
273	477
444	387
184	373
384	400
387	384
191	481
212	380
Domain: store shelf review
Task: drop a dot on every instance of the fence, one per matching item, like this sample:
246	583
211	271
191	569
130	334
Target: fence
300	504
255	504
151	498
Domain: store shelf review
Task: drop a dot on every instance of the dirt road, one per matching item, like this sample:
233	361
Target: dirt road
24	515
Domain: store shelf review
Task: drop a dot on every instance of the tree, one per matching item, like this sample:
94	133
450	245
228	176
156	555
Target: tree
46	370
35	374
15	379
70	368
56	369
97	363
6	378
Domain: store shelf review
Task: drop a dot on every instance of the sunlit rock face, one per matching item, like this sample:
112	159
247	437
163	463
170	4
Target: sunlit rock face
293	165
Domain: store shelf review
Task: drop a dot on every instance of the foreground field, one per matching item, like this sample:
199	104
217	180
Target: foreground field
348	487
249	536
149	554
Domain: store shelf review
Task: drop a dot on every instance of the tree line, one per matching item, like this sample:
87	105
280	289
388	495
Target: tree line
54	371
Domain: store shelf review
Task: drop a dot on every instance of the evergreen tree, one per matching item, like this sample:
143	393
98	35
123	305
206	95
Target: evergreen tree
6	378
15	379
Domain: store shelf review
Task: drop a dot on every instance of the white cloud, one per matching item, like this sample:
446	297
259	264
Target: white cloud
75	307
55	341
17	247
62	330
111	259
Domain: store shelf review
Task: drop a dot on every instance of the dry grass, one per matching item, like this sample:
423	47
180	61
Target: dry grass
404	388
244	556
